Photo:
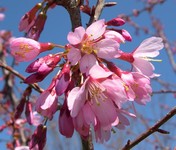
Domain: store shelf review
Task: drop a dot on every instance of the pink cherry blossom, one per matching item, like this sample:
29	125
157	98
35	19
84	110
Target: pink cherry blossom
89	103
25	49
87	44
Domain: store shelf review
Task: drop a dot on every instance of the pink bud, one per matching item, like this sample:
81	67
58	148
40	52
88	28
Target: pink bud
66	127
2	127
116	22
37	28
20	108
63	80
36	77
39	137
28	112
27	19
126	35
42	67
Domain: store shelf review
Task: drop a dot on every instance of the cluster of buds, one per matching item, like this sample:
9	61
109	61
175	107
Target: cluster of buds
33	22
94	88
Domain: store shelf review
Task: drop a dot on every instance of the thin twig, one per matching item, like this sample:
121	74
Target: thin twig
150	131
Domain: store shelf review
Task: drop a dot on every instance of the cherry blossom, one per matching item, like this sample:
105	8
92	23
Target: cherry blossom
87	44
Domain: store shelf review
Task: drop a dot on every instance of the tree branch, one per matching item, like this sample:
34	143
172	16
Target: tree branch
98	9
34	86
72	6
150	131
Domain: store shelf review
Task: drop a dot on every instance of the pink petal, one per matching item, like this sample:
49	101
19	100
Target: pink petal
149	47
74	55
115	90
107	49
86	62
76	37
115	36
98	72
100	111
48	101
89	115
143	66
62	84
96	29
76	99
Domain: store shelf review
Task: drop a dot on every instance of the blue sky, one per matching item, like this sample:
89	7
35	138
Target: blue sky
58	26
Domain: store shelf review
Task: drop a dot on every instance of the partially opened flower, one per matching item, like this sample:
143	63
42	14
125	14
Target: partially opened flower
25	49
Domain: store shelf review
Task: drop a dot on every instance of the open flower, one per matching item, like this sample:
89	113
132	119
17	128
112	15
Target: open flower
90	102
86	45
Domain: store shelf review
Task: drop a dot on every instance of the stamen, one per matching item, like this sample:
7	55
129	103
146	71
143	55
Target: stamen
150	59
96	92
24	48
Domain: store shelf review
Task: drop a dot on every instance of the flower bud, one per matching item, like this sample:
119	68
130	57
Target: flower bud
37	28
39	137
115	22
27	19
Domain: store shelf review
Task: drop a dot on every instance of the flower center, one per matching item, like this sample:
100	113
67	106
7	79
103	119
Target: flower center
87	47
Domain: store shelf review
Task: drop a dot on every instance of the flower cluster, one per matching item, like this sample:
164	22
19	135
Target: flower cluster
94	88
